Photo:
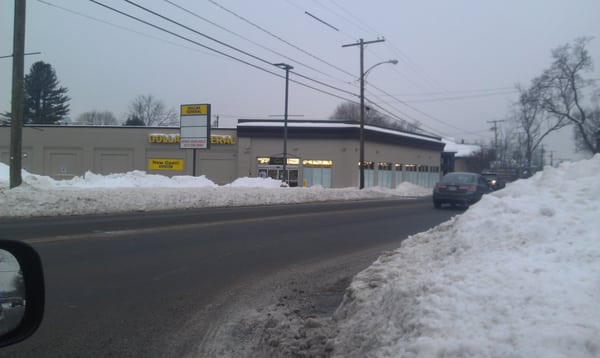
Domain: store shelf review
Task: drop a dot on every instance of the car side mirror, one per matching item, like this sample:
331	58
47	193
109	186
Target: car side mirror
21	291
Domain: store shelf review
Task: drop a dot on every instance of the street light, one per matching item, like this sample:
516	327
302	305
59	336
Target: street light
393	62
363	75
287	69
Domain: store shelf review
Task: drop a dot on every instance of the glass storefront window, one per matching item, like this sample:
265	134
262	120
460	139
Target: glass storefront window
399	173
317	172
384	174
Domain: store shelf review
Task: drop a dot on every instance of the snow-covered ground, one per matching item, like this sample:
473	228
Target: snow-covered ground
139	191
516	275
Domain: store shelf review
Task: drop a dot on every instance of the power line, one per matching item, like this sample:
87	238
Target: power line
339	30
251	41
211	49
496	89
420	111
366	29
279	38
214	50
230	46
118	26
403	57
456	98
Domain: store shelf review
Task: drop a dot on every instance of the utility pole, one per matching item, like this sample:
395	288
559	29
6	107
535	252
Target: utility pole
18	94
362	44
287	69
495	129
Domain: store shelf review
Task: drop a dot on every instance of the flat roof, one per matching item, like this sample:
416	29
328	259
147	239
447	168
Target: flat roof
342	127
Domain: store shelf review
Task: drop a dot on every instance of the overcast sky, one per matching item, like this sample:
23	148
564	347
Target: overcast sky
458	60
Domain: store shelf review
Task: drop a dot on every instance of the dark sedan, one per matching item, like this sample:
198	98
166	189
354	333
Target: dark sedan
494	180
459	189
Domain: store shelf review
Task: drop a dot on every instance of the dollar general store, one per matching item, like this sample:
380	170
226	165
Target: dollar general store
322	153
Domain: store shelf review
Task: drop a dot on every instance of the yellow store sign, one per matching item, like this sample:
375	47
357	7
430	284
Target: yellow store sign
194	109
165	164
161	138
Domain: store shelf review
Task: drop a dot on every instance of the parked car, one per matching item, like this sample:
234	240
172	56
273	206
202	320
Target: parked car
494	180
460	188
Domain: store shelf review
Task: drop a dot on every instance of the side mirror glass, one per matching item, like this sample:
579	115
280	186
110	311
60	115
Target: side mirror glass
21	291
12	293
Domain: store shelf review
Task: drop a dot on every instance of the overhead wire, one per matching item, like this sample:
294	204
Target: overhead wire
279	37
402	56
214	50
119	26
252	41
222	53
456	98
230	46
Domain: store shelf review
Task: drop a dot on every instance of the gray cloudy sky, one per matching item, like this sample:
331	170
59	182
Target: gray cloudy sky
458	60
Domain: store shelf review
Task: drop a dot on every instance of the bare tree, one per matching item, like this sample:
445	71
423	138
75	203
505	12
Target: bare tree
591	128
97	118
564	89
533	120
152	111
350	111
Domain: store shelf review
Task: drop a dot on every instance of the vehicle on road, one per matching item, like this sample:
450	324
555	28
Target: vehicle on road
459	188
494	180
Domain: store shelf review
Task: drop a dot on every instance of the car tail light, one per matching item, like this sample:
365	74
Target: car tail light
468	187
439	185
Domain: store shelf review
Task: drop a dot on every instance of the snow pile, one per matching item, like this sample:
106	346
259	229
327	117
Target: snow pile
516	275
410	189
255	183
138	191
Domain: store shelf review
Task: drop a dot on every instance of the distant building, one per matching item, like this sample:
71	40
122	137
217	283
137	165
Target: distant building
457	155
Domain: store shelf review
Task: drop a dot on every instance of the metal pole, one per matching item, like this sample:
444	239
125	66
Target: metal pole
362	116
287	69
285	123
362	44
194	162
18	94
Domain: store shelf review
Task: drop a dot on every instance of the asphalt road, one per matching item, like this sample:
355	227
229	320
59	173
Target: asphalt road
127	285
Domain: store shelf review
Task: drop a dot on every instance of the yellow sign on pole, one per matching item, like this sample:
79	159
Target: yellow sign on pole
194	109
165	164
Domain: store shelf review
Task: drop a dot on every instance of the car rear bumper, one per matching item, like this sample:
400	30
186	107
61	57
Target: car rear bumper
456	198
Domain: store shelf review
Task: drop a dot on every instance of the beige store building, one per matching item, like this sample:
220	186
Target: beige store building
319	153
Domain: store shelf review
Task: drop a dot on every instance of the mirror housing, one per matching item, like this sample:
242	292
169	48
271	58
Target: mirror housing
30	266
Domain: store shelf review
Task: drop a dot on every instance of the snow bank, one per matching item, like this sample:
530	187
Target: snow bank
138	191
517	275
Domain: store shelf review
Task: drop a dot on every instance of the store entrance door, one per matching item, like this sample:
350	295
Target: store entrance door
290	175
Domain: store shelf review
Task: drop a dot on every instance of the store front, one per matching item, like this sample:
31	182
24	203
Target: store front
320	153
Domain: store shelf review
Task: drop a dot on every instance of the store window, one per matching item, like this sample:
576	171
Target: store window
434	175
317	172
399	173
369	173
384	174
410	173
423	176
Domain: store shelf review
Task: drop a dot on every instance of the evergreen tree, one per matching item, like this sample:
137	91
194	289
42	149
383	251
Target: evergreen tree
46	102
133	120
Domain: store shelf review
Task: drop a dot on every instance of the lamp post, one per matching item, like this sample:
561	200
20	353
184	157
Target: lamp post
287	69
363	75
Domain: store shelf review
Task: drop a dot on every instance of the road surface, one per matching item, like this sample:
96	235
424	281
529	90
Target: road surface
166	284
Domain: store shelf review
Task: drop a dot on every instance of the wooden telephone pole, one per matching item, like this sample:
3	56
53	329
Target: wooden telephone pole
362	44
18	95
